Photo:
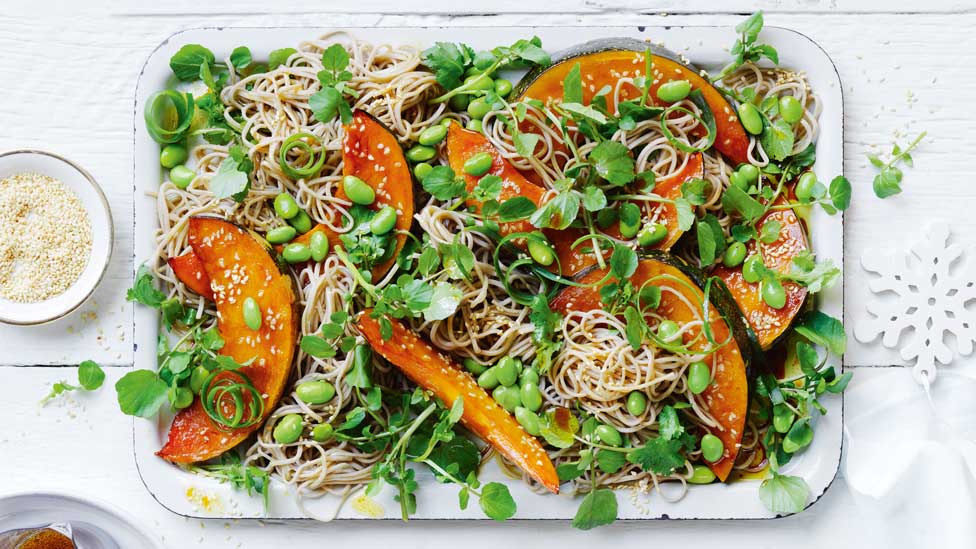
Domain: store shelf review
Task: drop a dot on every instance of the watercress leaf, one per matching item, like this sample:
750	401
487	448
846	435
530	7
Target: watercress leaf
609	461
557	213
187	61
875	161
444	301
634	327
335	58
808	358
815	276
90	375
558	427
143	291
230	180
568	471
317	347
769	232
743	233
573	86
824	330
838	385
686	216
496	501
613	162
594	199
458	259
488	188
886	184
279	57
766	50
840	192
711	239
777	139
443	184
515	209
598	508
735	200
784	494
623	261
525	143
141	393
750	27
429	260
693	190
240	58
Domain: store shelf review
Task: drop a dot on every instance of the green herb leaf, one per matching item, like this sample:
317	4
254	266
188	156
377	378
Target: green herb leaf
659	455
557	213
443	184
317	347
240	58
668	423
325	103
279	57
443	302
613	162
143	291
598	508
777	139
784	494
448	62
769	232
573	86
335	58
141	393
187	61
496	501
231	180
686	216
824	330
840	192
735	200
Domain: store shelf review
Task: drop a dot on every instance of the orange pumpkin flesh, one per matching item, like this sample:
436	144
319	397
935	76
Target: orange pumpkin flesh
433	371
189	270
727	397
769	323
605	68
239	266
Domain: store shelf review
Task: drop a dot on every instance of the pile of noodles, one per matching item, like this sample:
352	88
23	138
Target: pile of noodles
595	369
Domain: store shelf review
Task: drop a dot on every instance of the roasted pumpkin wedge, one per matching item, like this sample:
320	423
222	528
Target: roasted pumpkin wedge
189	270
727	397
604	62
434	371
239	266
462	144
770	323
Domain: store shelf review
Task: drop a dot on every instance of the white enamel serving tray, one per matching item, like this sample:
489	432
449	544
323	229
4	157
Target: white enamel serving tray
703	46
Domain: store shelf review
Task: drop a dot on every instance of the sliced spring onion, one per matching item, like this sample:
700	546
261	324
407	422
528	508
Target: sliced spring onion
168	116
706	118
312	153
230	399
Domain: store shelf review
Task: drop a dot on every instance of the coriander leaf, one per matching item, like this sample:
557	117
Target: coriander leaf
240	58
279	57
90	375
141	393
187	61
815	276
448	62
840	192
613	162
777	139
443	184
324	104
598	508
230	180
515	209
496	501
659	455
735	200
668	423
573	86
784	494
443	302
335	58
824	330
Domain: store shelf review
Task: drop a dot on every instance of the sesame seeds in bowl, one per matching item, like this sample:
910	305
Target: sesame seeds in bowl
55	236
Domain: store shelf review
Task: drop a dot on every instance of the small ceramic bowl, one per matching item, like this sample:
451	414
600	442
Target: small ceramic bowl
82	184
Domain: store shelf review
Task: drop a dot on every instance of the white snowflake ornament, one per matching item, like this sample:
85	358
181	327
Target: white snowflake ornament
922	297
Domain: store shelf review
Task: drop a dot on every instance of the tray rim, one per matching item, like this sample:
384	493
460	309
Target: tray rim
641	28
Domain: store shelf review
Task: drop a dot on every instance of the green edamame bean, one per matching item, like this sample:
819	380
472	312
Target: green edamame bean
471	71
805	185
358	191
739	180
301	222
446	122
608	435
636	403
674	91
322	432
433	135
528	420
531	396
384	221
541	252
252	313
183	398
288	429
173	155
280	235
479	81
712	448
475	125
750	118
503	87
421	153
197	377
734	254
749	172
422	170
459	102
630	220
652	234
529	375
296	252
319	244
181	176
488	379
506	371
699	376
478	164
478	108
508	397
701	474
667	330
474	366
285	206
773	293
752	268
315	392
790	109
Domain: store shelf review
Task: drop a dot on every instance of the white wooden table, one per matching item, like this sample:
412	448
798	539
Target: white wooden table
69	78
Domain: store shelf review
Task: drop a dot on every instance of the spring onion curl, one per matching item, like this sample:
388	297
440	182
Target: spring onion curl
230	399
595	369
168	115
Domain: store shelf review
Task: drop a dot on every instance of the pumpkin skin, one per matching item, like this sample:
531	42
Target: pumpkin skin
727	397
239	265
434	371
768	323
604	62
